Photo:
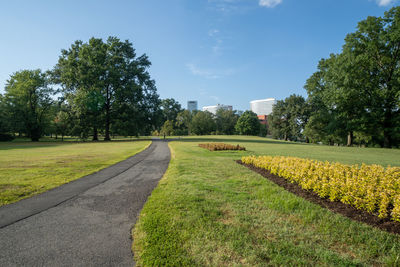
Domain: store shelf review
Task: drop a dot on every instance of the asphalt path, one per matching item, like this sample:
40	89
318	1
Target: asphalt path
87	222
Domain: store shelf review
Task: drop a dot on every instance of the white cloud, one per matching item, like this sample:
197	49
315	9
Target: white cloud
384	2
274	3
209	73
213	32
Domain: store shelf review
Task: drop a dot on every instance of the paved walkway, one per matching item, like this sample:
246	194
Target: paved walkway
87	222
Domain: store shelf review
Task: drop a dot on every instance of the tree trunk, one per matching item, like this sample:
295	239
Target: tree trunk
107	106
350	138
95	135
387	127
107	130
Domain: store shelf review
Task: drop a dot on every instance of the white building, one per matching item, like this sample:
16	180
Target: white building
262	106
213	109
191	105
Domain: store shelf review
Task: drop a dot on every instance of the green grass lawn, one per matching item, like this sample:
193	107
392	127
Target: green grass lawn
29	168
208	210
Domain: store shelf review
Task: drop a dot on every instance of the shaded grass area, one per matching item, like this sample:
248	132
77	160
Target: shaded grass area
208	210
29	168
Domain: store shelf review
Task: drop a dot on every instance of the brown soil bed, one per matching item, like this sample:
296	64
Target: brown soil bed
338	207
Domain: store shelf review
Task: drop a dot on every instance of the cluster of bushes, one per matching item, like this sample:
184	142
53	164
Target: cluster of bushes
221	146
371	188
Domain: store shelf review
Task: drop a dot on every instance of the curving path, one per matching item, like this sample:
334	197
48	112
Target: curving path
87	222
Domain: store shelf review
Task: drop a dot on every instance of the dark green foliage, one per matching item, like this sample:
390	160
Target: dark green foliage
108	87
226	121
288	118
203	123
355	95
27	102
248	124
183	121
6	137
170	109
168	128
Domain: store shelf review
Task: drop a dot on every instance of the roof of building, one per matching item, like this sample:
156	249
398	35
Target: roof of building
263	100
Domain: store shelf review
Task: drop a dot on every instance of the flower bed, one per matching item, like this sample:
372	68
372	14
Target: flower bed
372	188
221	146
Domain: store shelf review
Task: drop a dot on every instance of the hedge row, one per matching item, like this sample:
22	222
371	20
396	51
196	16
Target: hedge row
372	188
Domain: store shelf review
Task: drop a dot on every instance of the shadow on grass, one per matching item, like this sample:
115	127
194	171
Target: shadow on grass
28	144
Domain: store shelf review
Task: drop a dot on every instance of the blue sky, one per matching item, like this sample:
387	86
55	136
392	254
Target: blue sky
212	51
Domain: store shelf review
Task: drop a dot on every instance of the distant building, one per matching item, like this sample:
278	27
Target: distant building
263	106
213	109
263	119
191	105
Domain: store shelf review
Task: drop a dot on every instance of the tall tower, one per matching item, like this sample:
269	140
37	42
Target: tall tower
191	105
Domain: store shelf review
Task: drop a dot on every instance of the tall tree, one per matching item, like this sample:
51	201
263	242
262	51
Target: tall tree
289	118
248	124
226	121
170	109
106	82
375	47
28	99
203	123
183	122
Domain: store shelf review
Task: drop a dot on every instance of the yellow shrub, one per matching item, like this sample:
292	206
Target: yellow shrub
368	187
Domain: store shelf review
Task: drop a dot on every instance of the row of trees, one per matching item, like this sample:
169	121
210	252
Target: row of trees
183	122
354	97
96	87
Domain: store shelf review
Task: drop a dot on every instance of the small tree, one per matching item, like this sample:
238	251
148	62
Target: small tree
248	124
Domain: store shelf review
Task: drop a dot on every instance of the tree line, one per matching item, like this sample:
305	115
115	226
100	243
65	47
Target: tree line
178	121
354	97
95	87
103	88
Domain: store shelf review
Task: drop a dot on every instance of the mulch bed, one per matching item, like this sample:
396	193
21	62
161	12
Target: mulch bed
338	207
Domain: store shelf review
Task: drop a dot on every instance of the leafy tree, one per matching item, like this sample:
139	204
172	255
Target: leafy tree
226	121
289	118
62	123
168	128
170	109
28	99
359	89
5	127
203	123
248	124
183	122
106	84
375	47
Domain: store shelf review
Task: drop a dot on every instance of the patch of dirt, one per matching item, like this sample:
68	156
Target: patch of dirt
338	207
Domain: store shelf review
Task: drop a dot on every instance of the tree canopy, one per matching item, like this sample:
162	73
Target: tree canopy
248	124
27	100
108	86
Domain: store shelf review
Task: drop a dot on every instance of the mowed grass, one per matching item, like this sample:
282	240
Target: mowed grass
28	168
209	211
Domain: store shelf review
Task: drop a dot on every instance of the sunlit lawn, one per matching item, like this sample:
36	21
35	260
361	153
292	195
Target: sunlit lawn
209	211
28	168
